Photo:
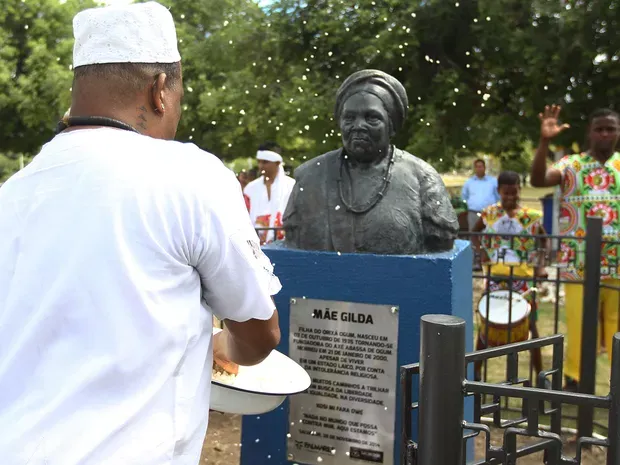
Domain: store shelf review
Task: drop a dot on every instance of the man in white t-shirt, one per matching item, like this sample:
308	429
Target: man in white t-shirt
268	195
115	253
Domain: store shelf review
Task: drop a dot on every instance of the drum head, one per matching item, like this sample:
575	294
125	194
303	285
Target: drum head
499	305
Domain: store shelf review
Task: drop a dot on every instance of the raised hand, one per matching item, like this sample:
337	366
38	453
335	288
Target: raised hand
549	127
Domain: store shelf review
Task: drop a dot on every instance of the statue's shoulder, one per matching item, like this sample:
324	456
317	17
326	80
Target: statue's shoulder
418	165
316	165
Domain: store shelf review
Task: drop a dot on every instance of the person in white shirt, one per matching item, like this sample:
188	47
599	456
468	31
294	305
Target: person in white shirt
115	253
268	195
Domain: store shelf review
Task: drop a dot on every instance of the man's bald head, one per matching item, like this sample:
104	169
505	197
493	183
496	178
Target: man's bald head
144	95
128	78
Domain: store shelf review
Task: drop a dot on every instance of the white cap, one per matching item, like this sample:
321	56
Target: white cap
268	155
136	33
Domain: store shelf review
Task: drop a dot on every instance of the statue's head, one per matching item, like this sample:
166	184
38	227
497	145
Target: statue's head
371	106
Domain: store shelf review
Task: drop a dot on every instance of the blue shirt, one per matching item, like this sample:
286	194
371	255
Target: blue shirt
479	193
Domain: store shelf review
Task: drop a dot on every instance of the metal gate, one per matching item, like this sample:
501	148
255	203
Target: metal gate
443	387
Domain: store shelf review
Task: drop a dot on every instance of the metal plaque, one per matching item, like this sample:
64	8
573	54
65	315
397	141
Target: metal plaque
347	416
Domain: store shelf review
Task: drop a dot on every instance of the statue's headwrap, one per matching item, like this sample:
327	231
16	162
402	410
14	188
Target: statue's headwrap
387	88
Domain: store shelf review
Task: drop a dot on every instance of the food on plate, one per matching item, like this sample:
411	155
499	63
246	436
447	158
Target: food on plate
225	365
224	371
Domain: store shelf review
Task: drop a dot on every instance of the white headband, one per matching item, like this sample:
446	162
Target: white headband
137	33
268	155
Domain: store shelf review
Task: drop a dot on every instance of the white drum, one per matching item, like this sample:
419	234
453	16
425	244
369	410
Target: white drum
498	320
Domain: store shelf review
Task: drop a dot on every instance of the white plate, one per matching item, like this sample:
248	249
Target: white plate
260	388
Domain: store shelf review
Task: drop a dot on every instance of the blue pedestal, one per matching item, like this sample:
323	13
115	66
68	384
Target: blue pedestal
418	285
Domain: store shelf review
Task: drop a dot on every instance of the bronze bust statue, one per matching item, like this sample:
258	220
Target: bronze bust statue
369	196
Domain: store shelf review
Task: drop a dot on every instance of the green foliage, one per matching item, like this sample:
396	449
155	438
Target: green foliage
477	71
8	166
35	73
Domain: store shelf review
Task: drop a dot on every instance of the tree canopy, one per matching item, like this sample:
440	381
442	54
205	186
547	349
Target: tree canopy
477	71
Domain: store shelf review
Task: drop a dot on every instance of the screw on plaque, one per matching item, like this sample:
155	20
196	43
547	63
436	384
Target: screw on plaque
290	456
394	310
293	301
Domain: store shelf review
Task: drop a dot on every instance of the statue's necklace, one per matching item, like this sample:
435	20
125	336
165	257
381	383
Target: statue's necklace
374	200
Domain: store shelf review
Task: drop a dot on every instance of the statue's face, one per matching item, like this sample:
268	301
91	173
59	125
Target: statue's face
365	127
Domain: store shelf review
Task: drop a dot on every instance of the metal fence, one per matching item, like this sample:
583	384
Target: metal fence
545	300
493	396
442	431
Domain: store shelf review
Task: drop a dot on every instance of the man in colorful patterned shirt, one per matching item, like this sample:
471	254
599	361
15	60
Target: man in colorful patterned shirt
590	184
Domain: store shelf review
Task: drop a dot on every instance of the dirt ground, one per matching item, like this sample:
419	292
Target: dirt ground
221	446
